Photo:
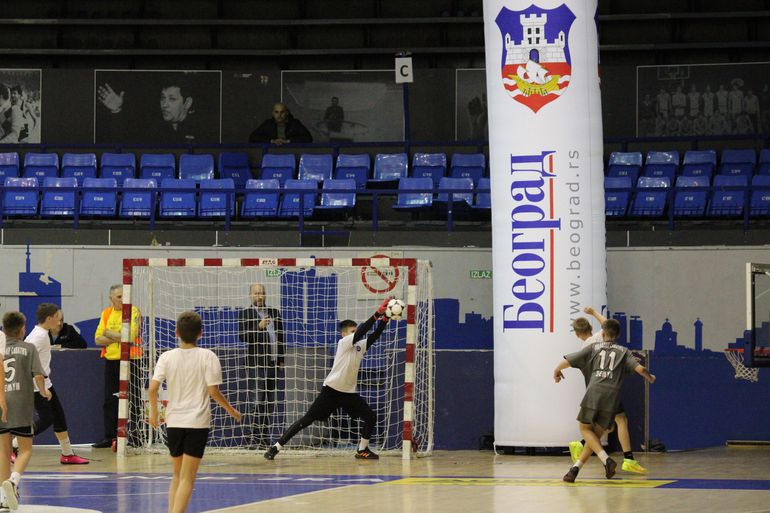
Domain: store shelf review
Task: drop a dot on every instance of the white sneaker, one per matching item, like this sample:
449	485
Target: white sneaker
11	497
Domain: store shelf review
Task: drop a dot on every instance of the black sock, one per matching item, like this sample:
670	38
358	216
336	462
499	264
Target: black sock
583	443
628	455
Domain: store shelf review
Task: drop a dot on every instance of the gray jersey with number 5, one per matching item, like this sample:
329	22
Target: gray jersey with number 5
21	365
606	365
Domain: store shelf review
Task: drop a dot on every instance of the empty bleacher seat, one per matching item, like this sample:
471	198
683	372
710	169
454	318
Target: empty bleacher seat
624	164
650	198
468	165
214	197
261	199
420	200
699	163
763	166
138	197
9	165
727	199
691	196
429	165
235	165
118	166
353	166
316	167
340	201
99	203
278	166
79	166
760	196
57	203
662	163
196	167
290	201
630	172
158	166
738	162
177	203
390	167
41	165
483	195
23	200
617	192
459	199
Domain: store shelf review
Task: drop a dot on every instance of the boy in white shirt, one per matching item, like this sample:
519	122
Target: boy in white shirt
339	388
193	375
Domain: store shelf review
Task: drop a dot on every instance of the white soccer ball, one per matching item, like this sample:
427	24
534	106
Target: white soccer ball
395	309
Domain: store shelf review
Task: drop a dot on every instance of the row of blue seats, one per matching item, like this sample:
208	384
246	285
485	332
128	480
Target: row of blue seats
180	198
695	163
691	196
235	165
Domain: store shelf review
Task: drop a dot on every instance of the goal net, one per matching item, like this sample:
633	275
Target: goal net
273	377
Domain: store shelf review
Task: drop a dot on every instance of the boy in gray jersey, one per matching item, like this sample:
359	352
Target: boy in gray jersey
21	365
607	365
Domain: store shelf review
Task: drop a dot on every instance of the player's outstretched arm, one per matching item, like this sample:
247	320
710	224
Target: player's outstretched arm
221	401
153	395
557	374
596	315
642	371
371	339
365	326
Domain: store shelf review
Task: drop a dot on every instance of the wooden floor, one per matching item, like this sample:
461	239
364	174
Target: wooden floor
714	480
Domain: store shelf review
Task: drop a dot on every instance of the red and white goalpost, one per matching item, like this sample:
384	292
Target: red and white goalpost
313	295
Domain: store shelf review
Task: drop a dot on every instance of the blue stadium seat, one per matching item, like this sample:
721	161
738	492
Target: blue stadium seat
763	167
138	195
726	199
214	196
459	199
390	167
79	166
616	201
261	199
99	203
699	163
118	166
290	201
196	167
738	162
760	196
414	200
429	165
158	166
630	172
59	203
316	167
353	166
338	201
626	161
177	203
20	202
278	166
483	199
468	165
235	165
9	165
691	196
41	165
648	202
662	163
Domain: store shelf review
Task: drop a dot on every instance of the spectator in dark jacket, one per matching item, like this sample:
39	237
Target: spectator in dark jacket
282	128
66	336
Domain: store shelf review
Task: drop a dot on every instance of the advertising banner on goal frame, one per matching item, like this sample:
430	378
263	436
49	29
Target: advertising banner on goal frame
548	239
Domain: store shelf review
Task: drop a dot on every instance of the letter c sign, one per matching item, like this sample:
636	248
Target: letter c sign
404	73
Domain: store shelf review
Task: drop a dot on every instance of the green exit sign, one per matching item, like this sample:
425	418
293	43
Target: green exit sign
480	274
273	273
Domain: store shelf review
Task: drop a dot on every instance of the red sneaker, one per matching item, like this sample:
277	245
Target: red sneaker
73	459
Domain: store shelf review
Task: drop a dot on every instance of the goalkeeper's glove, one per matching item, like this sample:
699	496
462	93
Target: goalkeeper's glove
381	309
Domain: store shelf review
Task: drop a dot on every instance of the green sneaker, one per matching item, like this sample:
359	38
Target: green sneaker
575	450
633	466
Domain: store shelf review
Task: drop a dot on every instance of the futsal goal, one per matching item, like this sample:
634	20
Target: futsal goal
312	295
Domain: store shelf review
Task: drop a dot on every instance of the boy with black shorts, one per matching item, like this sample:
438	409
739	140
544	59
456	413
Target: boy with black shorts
339	387
22	364
607	364
193	375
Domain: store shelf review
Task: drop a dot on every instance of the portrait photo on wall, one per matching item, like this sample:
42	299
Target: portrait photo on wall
160	107
350	106
471	105
703	99
20	105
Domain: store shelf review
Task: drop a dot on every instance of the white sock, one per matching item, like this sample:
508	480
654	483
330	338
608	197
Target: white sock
66	447
278	446
578	463
15	443
15	478
603	456
363	444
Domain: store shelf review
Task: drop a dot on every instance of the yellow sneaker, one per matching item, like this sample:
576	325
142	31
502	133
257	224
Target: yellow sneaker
575	449
633	466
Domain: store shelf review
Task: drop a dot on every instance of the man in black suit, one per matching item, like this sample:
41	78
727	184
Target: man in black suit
261	329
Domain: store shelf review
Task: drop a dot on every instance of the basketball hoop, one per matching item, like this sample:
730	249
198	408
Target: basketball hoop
735	357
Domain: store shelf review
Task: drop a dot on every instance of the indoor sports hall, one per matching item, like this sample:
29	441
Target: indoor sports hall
426	256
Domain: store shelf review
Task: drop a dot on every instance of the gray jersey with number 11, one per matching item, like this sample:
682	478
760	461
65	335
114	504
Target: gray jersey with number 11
606	365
